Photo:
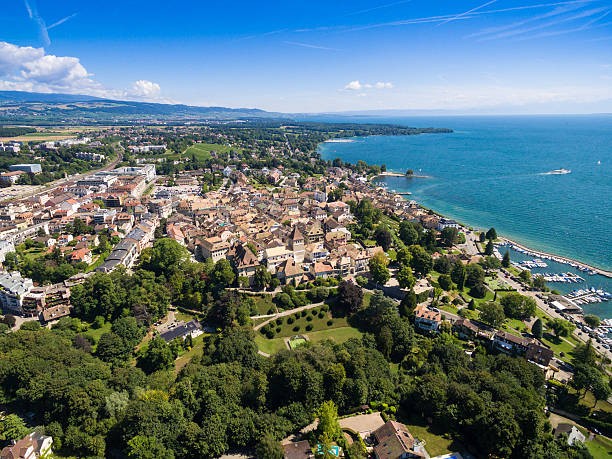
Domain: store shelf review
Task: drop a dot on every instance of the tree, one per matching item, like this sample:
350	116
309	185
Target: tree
405	279
506	259
539	282
223	274
600	390
166	257
328	421
474	274
592	320
12	427
157	356
585	354
518	306
383	238
103	244
472	305
421	262
350	297
560	327
492	313
491	234
449	236
261	278
490	263
525	276
378	268
408	233
408	304
111	348
403	256
458	274
489	248
482	237
144	447
269	448
445	282
442	265
537	329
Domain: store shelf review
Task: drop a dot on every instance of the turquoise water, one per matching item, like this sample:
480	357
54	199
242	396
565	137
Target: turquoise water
491	172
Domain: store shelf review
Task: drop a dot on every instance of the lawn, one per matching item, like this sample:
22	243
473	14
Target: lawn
269	346
294	343
435	443
600	446
263	304
558	347
298	326
201	151
96	333
338	335
197	348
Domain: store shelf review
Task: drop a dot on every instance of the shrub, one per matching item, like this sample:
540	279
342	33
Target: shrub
270	334
330	323
313	311
290	320
309	318
321	315
296	315
278	329
296	328
308	327
304	313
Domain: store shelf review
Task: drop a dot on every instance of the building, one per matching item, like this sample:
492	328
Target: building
181	331
5	247
510	344
572	432
394	441
13	288
11	177
447	223
214	248
90	156
32	446
427	318
539	354
48	302
29	168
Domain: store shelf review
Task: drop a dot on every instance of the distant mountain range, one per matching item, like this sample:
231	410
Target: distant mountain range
31	107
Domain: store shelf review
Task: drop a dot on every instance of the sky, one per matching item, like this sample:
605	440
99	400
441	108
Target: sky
317	56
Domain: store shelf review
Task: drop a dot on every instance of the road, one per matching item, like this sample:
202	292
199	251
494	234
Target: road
44	189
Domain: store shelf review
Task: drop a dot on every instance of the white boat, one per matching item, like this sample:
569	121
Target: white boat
559	172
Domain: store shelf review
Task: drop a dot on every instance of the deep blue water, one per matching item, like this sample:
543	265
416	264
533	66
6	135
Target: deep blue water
490	172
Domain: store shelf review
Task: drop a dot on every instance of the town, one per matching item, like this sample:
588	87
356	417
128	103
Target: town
234	250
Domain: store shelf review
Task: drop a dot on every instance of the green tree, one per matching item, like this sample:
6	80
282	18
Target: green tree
585	354
506	259
592	320
445	282
539	282
408	233
421	262
12	427
537	329
525	276
261	278
560	327
350	297
474	275
166	257
518	306
491	234
403	256
269	448
143	447
492	313
405	279
449	236
157	356
383	237
378	268
458	274
223	273
489	248
328	421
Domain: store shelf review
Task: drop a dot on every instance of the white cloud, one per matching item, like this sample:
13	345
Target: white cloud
23	68
146	89
354	85
357	85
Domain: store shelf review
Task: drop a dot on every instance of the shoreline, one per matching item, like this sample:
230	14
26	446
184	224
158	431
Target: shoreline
601	272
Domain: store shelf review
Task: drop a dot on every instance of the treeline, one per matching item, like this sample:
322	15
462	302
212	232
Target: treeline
15	131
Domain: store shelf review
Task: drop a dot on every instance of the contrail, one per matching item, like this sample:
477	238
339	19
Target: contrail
307	45
466	13
42	27
387	5
61	21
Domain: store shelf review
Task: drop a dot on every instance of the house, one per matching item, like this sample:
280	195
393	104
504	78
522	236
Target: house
181	331
572	432
394	441
31	446
510	344
447	223
427	318
322	269
11	177
82	255
290	271
298	450
214	248
539	354
245	262
465	329
13	288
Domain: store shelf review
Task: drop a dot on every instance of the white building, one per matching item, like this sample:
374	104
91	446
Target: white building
13	288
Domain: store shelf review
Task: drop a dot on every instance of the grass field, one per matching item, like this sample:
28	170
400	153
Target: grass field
269	346
263	304
202	151
198	346
338	335
96	333
435	443
298	327
297	342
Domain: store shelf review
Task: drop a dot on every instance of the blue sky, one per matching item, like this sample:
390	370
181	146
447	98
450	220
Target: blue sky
496	55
